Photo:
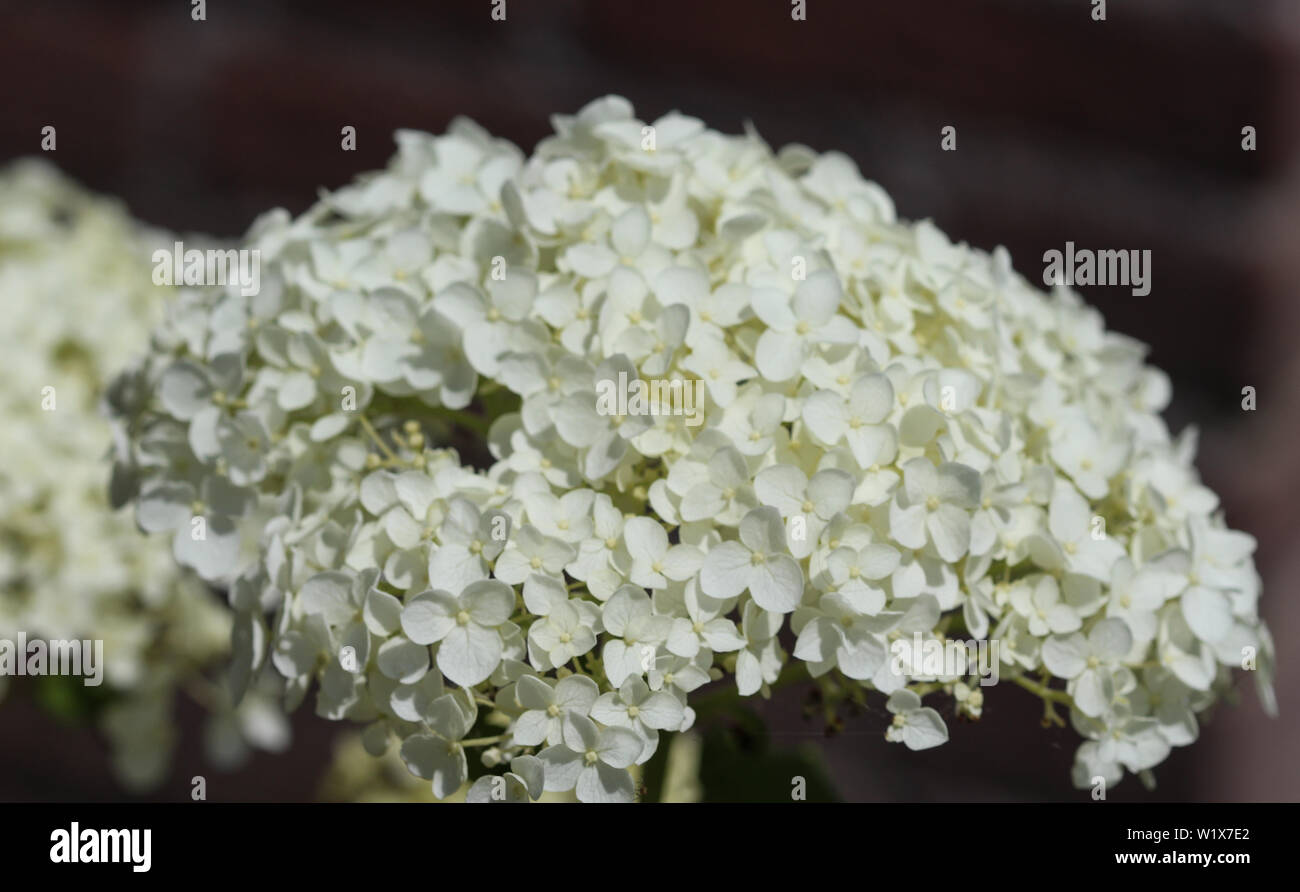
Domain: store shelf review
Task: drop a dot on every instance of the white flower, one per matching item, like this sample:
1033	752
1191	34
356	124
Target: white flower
567	518
719	368
753	419
524	782
794	328
206	537
592	761
468	543
465	626
917	727
491	324
439	756
836	634
1090	461
470	171
703	626
1173	704
724	491
760	563
856	420
563	629
1133	741
530	551
1078	543
759	662
933	507
853	570
1136	595
636	633
654	562
684	674
545	707
814	501
602	560
580	422
1038	600
1087	662
640	710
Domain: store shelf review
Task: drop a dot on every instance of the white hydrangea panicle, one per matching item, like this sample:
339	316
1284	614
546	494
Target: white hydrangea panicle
79	300
548	442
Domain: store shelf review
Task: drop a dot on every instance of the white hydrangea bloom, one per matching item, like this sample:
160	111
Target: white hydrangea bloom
79	300
714	410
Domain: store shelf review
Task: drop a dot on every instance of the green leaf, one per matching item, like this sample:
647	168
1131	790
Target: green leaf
69	699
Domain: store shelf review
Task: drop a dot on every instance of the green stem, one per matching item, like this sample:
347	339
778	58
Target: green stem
374	435
1044	692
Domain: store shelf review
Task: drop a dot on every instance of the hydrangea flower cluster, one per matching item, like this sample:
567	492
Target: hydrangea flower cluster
74	270
896	437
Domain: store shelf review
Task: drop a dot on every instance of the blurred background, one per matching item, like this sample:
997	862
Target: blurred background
1124	133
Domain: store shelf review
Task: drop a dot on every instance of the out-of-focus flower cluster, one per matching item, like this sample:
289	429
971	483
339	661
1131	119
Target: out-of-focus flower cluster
78	303
895	436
